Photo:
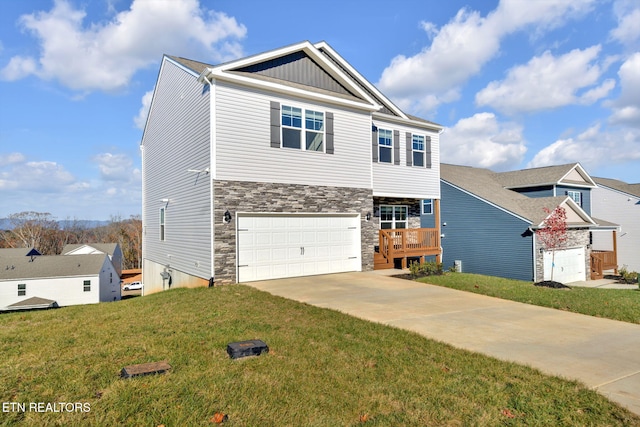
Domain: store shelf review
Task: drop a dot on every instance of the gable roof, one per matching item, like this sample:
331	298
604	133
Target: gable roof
51	266
306	70
630	189
90	248
486	185
18	252
568	174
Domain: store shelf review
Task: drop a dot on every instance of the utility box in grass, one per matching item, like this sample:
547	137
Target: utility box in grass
240	349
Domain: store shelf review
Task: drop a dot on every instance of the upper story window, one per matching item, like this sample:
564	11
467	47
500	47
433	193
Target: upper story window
294	127
385	146
22	289
162	215
86	285
427	207
576	196
418	150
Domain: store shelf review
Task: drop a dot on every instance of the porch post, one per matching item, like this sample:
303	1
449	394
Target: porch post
615	251
436	208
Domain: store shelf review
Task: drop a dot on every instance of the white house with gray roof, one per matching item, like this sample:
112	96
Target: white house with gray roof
57	280
620	202
282	164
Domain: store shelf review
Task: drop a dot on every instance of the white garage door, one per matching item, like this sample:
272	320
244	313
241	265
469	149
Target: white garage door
274	246
569	265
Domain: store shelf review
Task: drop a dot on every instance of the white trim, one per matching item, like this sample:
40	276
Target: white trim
179	65
582	173
303	129
408	122
422	212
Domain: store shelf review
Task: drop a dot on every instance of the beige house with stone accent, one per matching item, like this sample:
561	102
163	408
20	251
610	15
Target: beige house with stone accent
282	164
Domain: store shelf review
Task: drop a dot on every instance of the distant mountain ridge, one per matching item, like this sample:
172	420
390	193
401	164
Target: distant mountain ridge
5	224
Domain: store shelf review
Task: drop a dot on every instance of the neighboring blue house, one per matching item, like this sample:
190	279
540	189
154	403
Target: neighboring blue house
489	221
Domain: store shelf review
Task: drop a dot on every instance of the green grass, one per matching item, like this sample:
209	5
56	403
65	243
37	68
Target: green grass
323	369
617	304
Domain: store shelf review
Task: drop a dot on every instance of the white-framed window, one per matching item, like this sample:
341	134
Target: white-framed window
295	130
393	216
87	285
576	196
162	220
22	289
417	144
385	146
427	207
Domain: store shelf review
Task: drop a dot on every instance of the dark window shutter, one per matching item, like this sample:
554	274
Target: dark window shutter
374	144
409	150
329	132
427	147
275	124
396	147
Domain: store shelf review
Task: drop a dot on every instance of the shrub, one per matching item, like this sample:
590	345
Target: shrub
429	268
627	276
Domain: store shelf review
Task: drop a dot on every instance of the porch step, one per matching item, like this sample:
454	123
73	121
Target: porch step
380	263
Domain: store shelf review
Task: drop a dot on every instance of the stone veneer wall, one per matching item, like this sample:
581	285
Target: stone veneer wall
575	238
413	204
243	196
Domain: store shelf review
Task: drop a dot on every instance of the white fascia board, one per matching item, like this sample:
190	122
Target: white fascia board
219	72
568	201
528	221
408	122
578	168
179	65
360	77
283	88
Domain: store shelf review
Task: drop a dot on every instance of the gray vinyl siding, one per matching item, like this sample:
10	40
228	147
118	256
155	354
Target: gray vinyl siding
176	139
485	238
400	180
561	190
623	209
246	151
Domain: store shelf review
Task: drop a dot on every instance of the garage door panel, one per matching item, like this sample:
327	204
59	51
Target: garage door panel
269	245
569	265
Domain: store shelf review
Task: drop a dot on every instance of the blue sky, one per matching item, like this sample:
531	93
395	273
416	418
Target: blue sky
516	83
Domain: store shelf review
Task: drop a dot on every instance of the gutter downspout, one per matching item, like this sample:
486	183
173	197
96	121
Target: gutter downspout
212	175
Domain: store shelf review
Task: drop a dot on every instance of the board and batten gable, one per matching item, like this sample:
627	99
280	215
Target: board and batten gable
486	239
243	150
397	179
176	140
619	208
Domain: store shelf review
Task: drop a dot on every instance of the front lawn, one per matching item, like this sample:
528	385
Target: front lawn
616	304
324	368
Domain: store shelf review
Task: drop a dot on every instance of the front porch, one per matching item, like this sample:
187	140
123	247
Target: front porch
400	245
602	261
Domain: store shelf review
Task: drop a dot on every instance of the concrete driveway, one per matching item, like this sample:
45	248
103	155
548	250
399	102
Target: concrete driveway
603	354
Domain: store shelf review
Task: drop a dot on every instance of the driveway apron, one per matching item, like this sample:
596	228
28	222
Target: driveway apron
603	354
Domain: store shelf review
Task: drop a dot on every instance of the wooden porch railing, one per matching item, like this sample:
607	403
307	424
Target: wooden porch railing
406	242
601	261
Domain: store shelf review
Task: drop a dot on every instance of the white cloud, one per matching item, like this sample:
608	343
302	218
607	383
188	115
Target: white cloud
141	119
105	55
35	176
11	158
592	148
628	14
18	67
116	167
547	82
463	46
482	141
626	109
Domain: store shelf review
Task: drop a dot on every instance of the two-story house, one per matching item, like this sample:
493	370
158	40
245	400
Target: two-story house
281	164
490	219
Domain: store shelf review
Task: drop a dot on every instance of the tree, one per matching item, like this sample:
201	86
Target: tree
32	230
553	233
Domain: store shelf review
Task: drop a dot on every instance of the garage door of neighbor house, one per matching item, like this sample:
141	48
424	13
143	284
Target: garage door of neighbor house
569	265
272	246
